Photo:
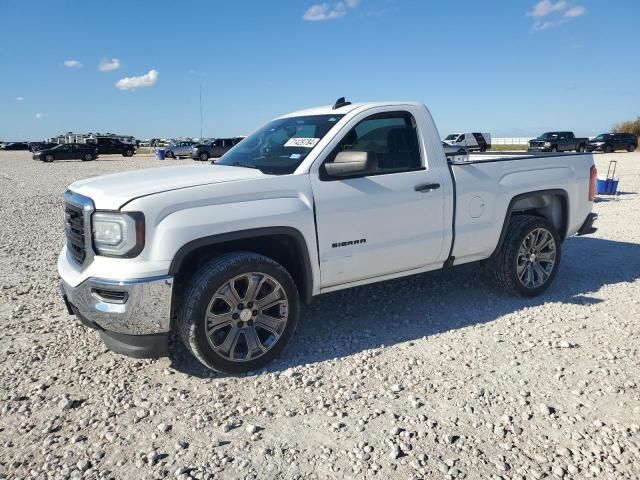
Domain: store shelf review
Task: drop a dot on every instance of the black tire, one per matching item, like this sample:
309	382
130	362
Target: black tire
48	158
631	147
203	156
581	149
554	149
608	148
212	276
170	154
483	149
87	157
506	261
128	153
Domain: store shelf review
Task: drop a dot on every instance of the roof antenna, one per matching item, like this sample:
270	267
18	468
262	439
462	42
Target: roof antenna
341	102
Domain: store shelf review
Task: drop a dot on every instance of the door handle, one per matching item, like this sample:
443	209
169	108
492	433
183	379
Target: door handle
426	187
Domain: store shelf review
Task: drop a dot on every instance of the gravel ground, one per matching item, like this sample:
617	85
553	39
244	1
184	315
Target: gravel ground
433	376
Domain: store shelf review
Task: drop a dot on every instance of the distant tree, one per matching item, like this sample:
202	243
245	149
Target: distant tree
631	126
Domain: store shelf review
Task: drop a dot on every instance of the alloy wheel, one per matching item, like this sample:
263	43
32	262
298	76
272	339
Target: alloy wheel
246	316
536	258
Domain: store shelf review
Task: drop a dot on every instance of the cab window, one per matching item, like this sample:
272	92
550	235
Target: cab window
392	137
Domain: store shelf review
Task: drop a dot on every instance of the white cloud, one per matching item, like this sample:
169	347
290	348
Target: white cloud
574	12
40	115
548	14
545	7
72	64
329	11
131	83
19	99
107	65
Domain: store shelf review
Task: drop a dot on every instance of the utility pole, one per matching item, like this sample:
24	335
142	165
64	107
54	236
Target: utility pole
200	112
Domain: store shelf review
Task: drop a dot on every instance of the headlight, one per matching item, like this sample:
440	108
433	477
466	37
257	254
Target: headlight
118	234
547	144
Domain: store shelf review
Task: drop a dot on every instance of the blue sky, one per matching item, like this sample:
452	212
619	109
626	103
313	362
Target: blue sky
513	68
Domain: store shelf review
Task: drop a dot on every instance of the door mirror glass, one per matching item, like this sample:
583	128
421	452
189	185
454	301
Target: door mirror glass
350	162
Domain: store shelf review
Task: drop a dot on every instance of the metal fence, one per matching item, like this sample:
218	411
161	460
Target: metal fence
510	140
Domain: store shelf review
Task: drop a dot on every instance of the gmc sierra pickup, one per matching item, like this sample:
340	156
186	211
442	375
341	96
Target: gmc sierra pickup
315	201
558	142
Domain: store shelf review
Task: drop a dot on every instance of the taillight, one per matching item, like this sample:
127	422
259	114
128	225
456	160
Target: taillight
593	179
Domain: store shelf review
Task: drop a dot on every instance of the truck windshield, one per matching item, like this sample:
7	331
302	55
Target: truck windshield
280	146
453	136
604	136
548	136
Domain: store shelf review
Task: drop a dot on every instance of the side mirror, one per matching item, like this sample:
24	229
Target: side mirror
352	162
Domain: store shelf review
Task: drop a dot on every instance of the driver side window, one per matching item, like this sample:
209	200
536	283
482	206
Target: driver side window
392	137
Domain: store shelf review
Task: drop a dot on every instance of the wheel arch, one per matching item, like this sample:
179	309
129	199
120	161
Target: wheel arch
552	204
285	245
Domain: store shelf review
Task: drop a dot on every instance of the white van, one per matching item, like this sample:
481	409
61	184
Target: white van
473	141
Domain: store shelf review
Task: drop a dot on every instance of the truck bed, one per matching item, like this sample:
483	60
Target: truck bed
485	186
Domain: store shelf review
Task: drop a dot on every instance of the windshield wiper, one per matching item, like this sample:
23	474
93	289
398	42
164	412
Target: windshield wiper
245	165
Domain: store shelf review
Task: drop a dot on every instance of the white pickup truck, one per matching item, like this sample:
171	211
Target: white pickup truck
315	201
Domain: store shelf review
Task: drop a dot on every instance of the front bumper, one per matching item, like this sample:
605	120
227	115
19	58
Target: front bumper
539	149
133	316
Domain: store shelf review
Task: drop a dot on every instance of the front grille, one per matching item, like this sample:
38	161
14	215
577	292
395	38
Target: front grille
536	144
74	230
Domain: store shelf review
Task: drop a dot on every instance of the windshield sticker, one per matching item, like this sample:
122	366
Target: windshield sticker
295	156
302	142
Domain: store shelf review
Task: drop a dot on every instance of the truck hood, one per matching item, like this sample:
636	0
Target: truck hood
111	192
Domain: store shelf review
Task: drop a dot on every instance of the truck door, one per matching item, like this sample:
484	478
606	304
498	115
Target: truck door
382	223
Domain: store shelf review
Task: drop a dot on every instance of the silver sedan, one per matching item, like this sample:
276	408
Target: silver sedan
179	149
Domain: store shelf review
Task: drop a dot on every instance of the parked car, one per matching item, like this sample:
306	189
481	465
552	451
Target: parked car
558	142
454	149
472	141
315	201
68	151
15	146
610	142
179	149
108	145
213	149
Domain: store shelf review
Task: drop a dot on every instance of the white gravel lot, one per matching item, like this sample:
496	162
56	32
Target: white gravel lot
433	376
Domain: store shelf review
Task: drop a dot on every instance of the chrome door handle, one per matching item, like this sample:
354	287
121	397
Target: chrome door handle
426	187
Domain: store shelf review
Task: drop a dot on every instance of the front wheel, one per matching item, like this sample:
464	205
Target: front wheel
554	149
170	154
128	153
203	157
48	158
631	147
608	149
530	256
581	149
87	157
239	312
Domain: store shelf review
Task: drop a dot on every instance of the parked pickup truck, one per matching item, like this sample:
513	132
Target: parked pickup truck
315	201
558	142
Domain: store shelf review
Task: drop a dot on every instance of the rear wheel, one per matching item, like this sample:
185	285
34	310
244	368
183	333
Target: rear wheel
580	149
530	256
203	157
239	312
48	158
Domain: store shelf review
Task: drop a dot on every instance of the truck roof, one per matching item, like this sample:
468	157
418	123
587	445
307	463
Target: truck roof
328	109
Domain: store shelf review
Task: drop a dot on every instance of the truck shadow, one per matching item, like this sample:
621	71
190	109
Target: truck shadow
343	323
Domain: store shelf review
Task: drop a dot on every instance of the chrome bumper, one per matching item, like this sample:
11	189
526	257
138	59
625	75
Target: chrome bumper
132	307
